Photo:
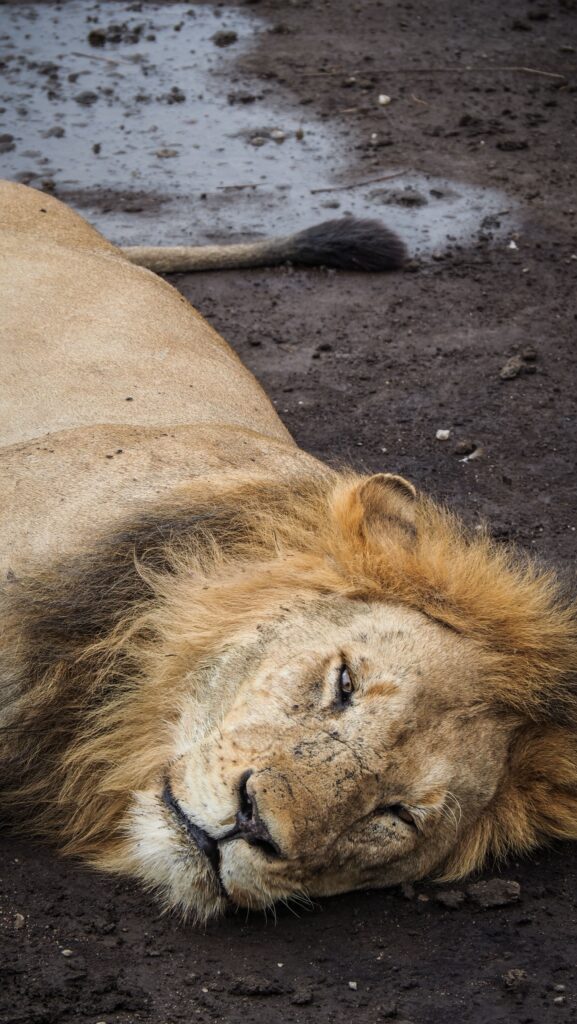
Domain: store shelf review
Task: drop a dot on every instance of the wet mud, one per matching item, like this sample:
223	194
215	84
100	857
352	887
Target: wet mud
459	373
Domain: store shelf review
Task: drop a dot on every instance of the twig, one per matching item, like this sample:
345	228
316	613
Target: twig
358	184
98	56
224	188
491	70
446	71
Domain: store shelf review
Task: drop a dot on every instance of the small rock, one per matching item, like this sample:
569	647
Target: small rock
226	37
57	132
529	354
175	95
452	898
97	37
384	100
497	892
559	1000
67	952
7	143
258	140
252	985
353	985
388	1011
515	979
512	368
465	447
278	135
302	997
241	97
115	34
512	145
19	922
166	154
86	98
443	435
409	197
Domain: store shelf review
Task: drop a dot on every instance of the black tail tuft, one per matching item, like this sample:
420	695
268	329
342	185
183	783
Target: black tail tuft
348	244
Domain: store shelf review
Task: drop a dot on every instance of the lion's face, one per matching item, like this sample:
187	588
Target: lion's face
345	746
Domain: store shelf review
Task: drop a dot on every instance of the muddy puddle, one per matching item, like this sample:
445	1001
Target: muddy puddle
142	116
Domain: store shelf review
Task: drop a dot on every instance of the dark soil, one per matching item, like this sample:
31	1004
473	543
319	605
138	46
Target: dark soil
365	369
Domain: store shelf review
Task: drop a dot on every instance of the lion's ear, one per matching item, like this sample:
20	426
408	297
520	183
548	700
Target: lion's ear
387	502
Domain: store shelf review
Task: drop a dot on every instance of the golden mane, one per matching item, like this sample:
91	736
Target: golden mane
95	648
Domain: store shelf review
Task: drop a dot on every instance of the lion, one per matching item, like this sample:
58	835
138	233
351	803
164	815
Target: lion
230	671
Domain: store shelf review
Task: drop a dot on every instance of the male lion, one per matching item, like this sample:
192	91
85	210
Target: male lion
230	671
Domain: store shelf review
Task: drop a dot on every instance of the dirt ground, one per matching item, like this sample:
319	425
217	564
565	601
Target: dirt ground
365	369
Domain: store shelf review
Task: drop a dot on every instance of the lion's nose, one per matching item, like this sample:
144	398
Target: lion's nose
249	824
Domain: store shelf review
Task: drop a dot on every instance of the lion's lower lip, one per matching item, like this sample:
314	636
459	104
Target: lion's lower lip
202	840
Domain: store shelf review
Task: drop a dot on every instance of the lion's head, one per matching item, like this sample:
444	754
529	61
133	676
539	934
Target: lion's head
326	687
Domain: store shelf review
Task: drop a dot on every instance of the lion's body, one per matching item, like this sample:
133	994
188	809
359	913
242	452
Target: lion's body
190	601
82	379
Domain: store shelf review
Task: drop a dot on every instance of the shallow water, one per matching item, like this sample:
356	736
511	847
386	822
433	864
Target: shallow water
164	126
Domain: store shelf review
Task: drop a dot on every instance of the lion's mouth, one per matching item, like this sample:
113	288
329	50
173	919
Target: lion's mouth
205	843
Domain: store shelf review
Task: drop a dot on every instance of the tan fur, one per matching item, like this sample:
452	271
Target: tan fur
195	634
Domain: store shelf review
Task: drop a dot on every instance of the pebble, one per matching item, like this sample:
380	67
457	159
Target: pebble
278	135
353	985
19	922
86	98
497	892
443	435
67	952
452	899
302	997
7	143
409	197
515	979
166	154
512	368
226	37
254	985
529	354
258	140
384	100
465	447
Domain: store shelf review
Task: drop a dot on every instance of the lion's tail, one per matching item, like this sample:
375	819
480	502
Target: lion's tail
347	244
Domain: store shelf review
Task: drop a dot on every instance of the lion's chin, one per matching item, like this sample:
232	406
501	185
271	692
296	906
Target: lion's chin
167	863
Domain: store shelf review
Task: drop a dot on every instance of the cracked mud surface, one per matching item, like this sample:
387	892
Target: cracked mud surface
365	369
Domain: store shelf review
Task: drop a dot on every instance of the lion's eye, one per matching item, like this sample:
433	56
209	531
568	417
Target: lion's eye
345	685
399	811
